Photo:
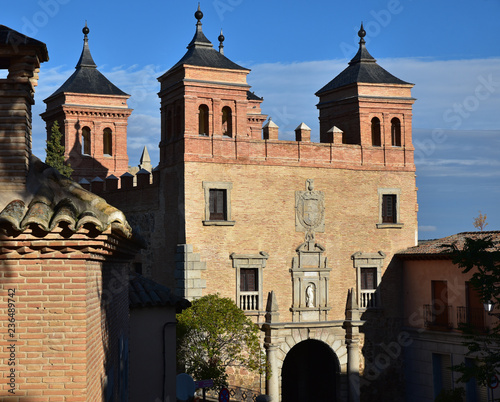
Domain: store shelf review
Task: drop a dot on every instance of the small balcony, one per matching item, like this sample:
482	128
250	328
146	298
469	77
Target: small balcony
438	318
249	301
368	299
472	317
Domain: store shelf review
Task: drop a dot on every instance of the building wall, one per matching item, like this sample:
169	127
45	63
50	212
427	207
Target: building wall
152	353
421	340
64	340
263	208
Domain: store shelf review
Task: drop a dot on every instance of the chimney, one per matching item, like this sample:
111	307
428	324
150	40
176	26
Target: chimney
21	56
270	130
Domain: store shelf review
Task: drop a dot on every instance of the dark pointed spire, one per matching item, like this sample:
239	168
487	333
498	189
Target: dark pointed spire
362	34
86	59
221	42
362	54
199	38
87	79
362	68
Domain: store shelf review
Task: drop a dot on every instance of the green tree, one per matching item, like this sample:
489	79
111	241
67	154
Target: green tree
481	256
55	151
213	334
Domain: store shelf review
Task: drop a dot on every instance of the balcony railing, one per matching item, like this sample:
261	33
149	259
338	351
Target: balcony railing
249	301
438	317
474	317
368	299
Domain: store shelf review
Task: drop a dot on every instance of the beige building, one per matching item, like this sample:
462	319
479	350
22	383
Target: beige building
300	234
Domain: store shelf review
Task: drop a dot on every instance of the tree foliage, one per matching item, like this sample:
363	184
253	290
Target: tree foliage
481	256
213	334
480	221
55	151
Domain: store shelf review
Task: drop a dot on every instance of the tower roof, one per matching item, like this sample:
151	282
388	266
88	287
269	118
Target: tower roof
362	68
202	53
87	79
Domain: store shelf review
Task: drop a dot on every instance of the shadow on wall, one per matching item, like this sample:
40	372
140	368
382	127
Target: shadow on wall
84	165
383	378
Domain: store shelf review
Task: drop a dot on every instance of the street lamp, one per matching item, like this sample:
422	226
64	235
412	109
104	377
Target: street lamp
488	306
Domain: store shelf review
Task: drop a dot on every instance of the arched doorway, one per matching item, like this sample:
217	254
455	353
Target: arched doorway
310	373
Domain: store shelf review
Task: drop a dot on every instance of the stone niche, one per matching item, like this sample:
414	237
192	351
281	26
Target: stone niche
310	276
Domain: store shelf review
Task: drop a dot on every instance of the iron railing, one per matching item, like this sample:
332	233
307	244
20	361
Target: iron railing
438	316
235	394
474	317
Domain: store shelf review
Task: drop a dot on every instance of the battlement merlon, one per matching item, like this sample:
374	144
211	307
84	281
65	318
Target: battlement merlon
217	149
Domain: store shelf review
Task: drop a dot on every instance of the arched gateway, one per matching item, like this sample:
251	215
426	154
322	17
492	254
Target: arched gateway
310	373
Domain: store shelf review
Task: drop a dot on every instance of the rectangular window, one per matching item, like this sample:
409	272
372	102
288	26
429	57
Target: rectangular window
389	208
475	308
368	278
440	308
249	280
218	205
441	373
249	276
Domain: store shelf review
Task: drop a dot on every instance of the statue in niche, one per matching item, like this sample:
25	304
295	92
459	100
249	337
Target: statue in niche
310	296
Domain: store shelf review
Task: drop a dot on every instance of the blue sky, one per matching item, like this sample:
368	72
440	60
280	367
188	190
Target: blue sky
448	49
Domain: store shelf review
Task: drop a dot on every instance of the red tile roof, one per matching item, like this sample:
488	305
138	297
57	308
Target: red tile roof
439	248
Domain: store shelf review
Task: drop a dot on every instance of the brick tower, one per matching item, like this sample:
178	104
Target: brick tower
371	106
93	115
206	95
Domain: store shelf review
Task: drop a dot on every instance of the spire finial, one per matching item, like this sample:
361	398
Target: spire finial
85	31
221	40
362	34
198	14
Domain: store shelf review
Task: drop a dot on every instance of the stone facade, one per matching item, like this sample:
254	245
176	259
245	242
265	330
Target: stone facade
297	233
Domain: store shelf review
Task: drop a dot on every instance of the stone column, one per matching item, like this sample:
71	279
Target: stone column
273	389
353	370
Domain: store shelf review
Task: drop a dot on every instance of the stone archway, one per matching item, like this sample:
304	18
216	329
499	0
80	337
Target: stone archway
310	372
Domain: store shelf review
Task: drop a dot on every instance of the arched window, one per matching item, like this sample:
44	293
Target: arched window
396	132
376	137
227	121
107	142
203	120
86	141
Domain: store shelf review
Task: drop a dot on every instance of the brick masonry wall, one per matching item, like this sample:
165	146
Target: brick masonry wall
263	206
60	330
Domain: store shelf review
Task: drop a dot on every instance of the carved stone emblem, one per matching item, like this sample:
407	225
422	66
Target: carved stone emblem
310	210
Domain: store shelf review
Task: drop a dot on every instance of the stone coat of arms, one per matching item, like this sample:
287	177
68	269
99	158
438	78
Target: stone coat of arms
309	210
